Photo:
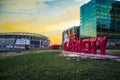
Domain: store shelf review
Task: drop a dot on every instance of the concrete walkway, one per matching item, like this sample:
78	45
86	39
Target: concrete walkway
91	56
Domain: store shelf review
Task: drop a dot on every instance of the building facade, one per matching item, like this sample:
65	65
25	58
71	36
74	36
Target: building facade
66	33
100	18
23	41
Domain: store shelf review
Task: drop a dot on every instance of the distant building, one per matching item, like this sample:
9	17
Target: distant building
100	18
23	41
66	33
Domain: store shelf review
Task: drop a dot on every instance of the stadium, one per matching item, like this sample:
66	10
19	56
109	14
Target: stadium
23	41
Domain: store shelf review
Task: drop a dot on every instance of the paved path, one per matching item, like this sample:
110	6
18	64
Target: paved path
91	56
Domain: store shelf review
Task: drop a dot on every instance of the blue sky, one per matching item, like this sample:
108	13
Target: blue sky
46	17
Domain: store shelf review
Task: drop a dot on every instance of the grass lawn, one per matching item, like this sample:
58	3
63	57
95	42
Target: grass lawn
48	65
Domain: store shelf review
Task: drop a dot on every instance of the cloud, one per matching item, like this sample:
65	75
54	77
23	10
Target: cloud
16	18
21	6
46	17
70	14
82	1
46	0
59	17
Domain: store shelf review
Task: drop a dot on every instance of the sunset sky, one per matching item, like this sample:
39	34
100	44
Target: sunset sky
45	17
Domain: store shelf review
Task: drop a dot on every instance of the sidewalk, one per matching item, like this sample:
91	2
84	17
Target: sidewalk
91	56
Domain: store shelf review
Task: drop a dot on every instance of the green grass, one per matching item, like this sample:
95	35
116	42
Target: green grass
49	66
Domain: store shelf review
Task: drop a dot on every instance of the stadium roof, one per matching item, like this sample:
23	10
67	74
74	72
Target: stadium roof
22	33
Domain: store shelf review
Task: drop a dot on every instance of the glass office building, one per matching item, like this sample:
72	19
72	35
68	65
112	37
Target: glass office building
100	18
